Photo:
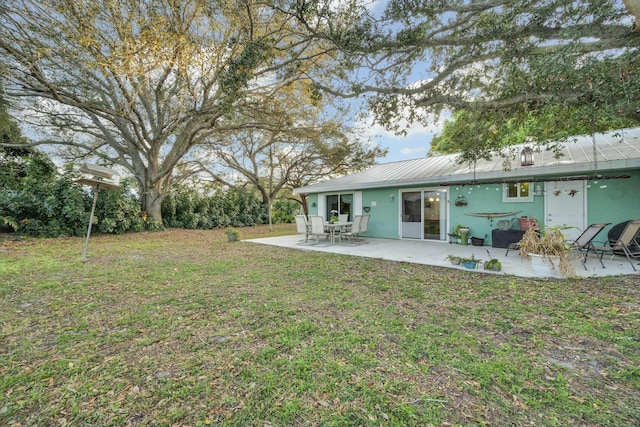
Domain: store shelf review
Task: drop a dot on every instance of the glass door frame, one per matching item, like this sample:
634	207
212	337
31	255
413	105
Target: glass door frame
340	205
416	231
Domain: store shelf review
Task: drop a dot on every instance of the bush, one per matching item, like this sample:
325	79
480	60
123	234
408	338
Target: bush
117	210
41	202
284	211
188	207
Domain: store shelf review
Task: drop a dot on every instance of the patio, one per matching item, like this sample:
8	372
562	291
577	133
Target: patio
435	253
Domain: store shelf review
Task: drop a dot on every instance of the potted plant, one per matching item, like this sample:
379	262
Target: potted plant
233	235
463	234
461	201
548	251
455	260
493	264
334	217
470	263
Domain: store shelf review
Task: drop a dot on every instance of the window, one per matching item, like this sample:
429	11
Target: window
339	204
517	192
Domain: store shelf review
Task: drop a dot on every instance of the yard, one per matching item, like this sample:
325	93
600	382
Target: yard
183	328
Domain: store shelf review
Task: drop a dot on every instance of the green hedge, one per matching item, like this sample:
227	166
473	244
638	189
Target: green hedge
42	202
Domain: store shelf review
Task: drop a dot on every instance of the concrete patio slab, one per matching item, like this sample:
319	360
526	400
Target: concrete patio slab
435	253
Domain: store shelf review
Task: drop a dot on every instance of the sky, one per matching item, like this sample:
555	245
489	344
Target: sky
415	144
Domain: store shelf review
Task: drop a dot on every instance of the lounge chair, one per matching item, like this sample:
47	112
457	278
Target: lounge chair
584	243
626	244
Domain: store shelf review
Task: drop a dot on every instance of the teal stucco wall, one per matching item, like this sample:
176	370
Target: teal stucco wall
487	198
384	212
619	201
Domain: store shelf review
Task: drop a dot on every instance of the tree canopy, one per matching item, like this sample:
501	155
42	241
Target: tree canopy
284	140
511	60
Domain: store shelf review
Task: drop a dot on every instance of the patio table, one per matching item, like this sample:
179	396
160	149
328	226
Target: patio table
335	226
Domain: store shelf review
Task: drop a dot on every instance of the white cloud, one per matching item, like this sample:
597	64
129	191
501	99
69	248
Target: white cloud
416	130
414	150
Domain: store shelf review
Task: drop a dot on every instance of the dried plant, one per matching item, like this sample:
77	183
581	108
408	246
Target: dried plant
549	242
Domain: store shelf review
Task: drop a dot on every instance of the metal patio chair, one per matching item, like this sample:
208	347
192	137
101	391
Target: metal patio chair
360	225
584	242
302	226
626	244
317	228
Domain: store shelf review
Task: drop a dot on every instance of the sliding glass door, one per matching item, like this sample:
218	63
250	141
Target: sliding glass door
339	204
424	214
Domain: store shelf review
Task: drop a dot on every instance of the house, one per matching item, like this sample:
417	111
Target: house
595	179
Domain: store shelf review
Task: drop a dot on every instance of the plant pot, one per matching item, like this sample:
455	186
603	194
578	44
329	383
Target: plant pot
493	268
505	224
464	235
527	223
455	261
476	241
545	265
471	265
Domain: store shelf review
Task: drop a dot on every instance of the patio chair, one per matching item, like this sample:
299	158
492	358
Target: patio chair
584	242
302	227
360	225
626	244
353	229
364	223
615	232
317	228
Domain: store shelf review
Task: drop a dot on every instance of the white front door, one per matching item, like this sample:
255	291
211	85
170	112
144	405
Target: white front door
565	205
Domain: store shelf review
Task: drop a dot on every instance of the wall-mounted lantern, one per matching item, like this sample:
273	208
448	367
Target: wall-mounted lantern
526	156
538	190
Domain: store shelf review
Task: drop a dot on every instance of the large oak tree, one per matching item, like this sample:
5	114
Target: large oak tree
142	83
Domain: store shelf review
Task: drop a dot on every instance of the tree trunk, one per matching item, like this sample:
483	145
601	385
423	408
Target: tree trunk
151	201
270	210
304	203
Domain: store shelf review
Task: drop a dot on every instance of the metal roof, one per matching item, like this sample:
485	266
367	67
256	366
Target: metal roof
616	150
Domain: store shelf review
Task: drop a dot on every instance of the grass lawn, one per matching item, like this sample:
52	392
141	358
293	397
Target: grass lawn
183	328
